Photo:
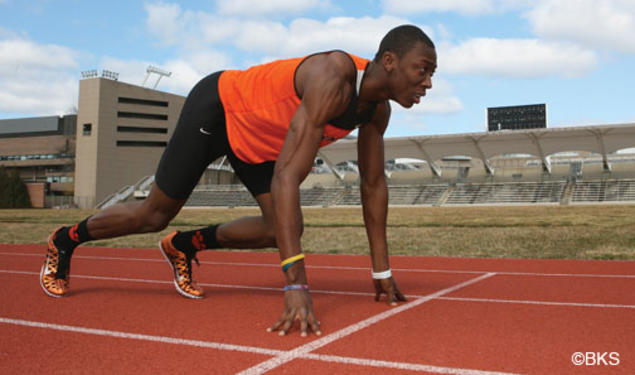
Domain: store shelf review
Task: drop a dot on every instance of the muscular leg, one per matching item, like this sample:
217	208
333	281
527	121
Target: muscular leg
150	215
250	232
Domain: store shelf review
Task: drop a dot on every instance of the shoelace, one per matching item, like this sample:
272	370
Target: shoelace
52	260
186	267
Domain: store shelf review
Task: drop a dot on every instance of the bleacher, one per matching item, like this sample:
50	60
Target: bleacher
430	194
221	196
398	195
237	196
507	193
603	191
351	197
319	196
546	192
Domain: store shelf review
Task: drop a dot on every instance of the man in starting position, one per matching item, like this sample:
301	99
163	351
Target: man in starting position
270	120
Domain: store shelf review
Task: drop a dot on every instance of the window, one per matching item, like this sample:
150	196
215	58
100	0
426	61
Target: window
87	129
140	129
149	116
141	144
155	103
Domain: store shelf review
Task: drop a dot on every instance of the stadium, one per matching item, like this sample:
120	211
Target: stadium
505	251
108	152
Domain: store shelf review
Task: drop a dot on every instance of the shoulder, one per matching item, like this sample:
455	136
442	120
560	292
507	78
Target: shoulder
334	69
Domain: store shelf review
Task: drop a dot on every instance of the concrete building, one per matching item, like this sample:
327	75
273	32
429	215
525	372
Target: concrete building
122	130
42	150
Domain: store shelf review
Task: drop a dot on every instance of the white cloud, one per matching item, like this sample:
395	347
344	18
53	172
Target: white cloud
519	58
173	26
467	7
438	100
186	70
36	79
597	23
202	30
303	36
163	20
245	8
21	54
193	31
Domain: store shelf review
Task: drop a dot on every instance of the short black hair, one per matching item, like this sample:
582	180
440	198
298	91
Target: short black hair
401	39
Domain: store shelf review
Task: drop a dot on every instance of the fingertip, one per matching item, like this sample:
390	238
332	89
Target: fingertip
319	333
269	329
281	333
303	334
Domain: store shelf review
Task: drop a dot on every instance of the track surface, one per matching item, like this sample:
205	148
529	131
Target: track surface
463	316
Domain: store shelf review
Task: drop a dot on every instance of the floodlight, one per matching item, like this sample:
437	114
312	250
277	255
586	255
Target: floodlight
160	72
89	74
110	75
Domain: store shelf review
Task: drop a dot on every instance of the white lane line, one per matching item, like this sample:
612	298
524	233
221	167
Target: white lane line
399	365
541	303
335	292
138	336
230	286
347	331
245	349
345	268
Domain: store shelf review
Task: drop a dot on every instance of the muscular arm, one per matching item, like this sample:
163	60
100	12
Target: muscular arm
325	94
370	150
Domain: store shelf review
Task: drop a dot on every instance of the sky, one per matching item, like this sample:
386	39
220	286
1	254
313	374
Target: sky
577	56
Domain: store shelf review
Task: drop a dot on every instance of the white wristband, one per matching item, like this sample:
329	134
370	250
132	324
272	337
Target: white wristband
382	275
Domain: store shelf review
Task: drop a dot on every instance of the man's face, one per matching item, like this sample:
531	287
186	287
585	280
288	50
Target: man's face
411	75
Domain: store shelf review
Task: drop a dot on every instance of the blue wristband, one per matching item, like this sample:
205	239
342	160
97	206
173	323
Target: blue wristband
296	287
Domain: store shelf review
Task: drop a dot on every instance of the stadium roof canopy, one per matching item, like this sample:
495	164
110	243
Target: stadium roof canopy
600	139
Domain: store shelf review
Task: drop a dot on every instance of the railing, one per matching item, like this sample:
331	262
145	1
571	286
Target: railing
546	192
119	196
507	193
604	191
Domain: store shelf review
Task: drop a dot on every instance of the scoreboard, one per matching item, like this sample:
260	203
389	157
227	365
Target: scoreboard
517	117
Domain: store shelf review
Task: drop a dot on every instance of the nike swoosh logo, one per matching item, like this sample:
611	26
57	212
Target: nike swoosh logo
205	132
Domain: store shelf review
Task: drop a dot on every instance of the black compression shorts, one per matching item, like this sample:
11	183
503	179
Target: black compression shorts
200	137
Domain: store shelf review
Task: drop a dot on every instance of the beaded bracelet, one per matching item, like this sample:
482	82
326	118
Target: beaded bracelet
291	261
296	287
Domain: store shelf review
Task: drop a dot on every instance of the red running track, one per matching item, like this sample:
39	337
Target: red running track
464	316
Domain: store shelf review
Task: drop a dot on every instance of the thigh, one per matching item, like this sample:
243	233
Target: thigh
256	177
199	138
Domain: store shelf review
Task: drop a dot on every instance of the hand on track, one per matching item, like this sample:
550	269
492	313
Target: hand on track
297	306
389	287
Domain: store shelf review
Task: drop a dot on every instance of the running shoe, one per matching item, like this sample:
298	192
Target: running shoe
54	275
182	266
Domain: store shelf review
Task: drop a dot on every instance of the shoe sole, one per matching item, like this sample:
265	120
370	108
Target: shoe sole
44	288
176	284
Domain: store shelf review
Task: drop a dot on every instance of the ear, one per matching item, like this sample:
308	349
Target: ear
389	61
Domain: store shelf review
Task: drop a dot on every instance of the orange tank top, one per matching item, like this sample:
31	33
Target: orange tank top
259	103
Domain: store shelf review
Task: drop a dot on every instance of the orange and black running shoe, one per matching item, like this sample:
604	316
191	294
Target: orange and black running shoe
182	266
54	275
